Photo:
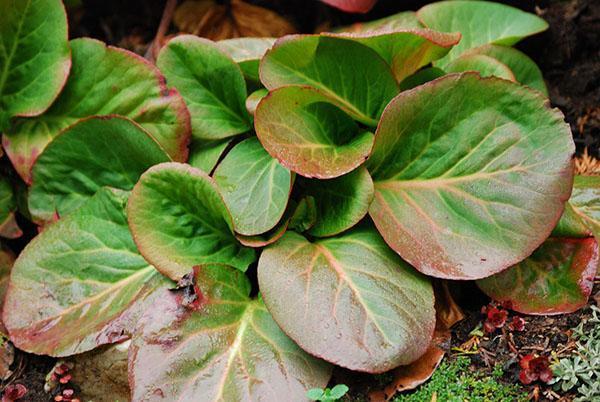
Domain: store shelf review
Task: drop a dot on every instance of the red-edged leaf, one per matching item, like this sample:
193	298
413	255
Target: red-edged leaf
228	350
471	174
348	299
557	278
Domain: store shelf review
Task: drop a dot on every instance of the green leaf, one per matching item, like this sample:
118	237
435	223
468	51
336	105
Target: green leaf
421	77
93	153
361	88
315	394
255	187
309	135
304	216
340	203
247	52
406	51
402	20
80	283
348	299
211	84
8	205
486	66
179	219
338	391
523	68
471	175
205	155
480	23
582	212
228	350
104	80
556	279
34	56
254	99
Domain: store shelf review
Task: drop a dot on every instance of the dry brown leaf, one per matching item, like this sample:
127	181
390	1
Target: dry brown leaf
411	376
587	165
236	19
447	311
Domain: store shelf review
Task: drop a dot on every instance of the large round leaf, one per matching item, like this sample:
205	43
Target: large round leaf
341	203
254	186
228	350
349	300
361	88
470	174
8	205
557	278
480	23
309	135
79	284
179	219
523	68
104	80
406	50
247	52
95	152
34	56
211	84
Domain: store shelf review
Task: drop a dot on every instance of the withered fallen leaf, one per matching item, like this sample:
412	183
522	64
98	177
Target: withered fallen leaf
411	376
235	19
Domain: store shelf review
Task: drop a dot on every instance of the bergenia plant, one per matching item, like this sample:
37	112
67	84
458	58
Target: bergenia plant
247	242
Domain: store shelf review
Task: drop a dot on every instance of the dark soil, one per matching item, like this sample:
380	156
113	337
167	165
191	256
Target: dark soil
569	57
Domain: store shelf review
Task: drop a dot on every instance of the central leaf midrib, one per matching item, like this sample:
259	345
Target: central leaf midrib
363	118
118	285
236	346
11	54
344	277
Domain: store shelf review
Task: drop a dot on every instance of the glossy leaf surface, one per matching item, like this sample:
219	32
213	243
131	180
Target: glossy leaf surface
349	299
486	66
93	153
310	136
205	155
406	50
340	203
247	52
524	69
582	213
255	187
80	283
34	56
361	88
471	175
229	350
480	23
211	84
104	80
8	205
179	219
556	279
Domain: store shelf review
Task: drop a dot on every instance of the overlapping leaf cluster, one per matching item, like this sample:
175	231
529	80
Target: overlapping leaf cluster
360	158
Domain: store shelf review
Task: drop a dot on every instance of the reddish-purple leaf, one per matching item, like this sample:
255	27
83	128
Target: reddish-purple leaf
352	6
